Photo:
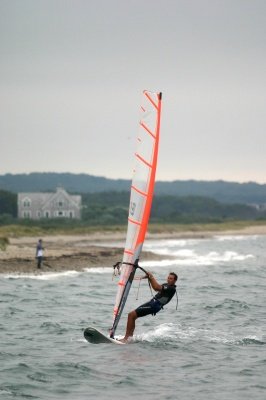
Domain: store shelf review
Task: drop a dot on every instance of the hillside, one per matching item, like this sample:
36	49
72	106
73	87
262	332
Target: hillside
225	192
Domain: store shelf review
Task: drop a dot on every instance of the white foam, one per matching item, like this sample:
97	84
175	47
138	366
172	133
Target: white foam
151	244
99	270
162	263
169	331
225	238
165	247
164	331
54	275
42	277
187	333
190	257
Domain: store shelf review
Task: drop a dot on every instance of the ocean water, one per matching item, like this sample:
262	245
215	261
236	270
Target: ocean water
212	346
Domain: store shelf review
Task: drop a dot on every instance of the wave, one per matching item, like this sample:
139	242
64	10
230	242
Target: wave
229	304
99	270
46	276
235	238
39	377
5	392
154	245
190	257
250	340
177	333
186	252
42	277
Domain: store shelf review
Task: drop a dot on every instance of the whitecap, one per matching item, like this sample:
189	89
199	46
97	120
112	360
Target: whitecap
42	277
224	238
190	257
99	270
173	332
161	263
163	331
165	247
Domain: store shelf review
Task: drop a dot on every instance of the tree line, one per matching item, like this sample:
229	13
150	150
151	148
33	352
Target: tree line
106	208
222	191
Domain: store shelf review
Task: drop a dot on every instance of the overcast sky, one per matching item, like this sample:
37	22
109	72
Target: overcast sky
72	75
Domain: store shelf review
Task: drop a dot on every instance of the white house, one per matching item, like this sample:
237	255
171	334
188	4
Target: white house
49	205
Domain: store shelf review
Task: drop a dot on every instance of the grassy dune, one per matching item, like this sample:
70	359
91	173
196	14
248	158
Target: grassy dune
208	227
16	231
3	242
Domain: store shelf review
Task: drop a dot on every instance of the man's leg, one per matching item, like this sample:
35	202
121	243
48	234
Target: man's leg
132	316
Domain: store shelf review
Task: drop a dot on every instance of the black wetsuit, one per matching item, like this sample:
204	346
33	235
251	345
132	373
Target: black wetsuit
158	301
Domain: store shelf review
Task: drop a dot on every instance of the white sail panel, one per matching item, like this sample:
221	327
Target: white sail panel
141	193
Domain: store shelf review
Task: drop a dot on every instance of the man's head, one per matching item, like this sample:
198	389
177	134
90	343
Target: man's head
172	278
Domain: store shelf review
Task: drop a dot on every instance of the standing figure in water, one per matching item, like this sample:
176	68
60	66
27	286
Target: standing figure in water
39	253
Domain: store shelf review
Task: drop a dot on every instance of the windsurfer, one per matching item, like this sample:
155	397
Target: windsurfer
165	293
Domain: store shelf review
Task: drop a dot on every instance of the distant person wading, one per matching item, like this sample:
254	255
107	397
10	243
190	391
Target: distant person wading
39	253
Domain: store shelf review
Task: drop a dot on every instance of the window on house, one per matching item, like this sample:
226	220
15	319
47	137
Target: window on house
26	214
59	214
71	214
26	202
60	203
47	214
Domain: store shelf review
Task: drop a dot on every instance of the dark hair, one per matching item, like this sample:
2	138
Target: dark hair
174	274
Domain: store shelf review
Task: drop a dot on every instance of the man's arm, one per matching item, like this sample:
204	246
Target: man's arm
155	285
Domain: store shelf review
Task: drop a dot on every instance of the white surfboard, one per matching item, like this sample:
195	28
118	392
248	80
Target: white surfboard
95	336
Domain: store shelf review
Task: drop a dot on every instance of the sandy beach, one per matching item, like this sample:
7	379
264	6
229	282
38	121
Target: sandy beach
66	252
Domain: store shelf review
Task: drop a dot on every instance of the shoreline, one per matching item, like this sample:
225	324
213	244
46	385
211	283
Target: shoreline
99	249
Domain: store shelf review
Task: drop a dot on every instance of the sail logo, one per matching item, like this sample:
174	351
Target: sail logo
132	208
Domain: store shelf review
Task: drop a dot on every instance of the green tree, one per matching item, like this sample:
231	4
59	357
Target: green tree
8	203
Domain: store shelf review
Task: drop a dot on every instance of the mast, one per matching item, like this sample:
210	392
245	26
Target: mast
142	189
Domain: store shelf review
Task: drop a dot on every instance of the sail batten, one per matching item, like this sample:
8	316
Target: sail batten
139	191
151	100
143	160
134	222
142	189
147	130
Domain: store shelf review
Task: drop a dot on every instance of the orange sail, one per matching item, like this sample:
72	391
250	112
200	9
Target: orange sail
142	189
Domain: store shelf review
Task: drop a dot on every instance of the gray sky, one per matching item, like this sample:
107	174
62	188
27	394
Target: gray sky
72	74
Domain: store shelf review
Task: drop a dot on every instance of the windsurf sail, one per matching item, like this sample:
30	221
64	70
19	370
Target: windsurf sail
141	196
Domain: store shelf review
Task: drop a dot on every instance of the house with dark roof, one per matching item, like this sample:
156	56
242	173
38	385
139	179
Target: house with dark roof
49	205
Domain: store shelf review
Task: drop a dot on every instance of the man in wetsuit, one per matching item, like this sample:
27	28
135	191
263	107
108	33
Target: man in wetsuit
165	293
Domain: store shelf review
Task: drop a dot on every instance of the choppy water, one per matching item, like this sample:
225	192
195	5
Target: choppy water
212	347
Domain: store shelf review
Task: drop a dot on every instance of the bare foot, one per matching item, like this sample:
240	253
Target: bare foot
124	340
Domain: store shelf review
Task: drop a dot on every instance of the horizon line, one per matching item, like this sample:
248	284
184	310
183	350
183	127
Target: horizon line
130	178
